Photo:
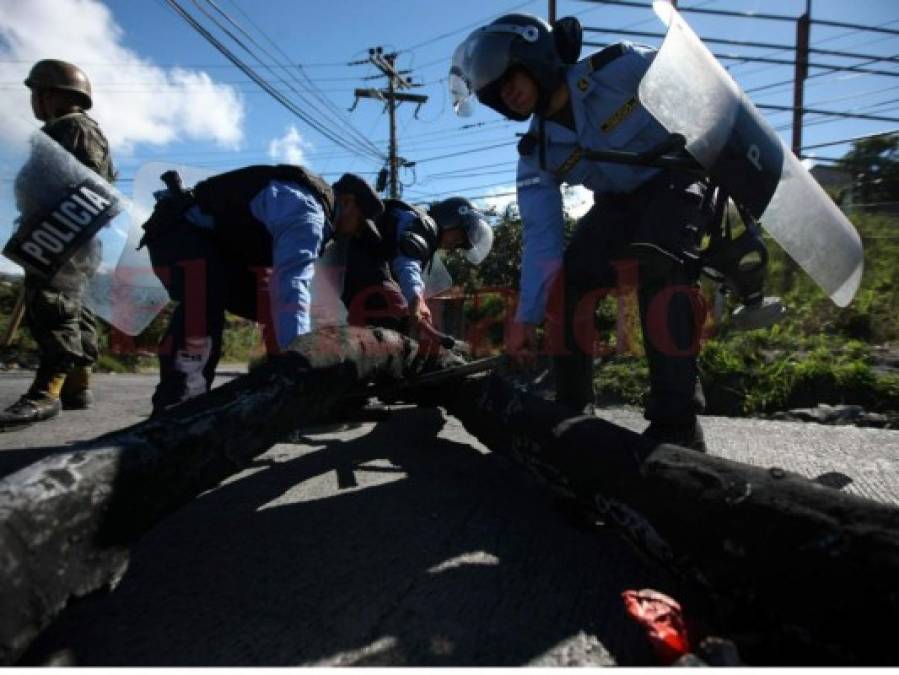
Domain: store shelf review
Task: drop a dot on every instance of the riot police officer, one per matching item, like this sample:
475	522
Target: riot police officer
523	68
64	329
216	248
385	277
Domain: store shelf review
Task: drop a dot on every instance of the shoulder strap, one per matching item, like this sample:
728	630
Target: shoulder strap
420	213
604	57
529	141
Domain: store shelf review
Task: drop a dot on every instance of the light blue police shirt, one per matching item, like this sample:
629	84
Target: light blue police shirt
607	116
407	270
297	223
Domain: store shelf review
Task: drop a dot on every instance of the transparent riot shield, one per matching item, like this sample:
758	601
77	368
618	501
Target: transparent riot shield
327	286
436	277
327	282
72	228
690	93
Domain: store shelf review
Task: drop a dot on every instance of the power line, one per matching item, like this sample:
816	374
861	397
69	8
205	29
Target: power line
264	84
316	92
742	43
752	15
832	113
355	137
718	12
828	120
854	96
455	172
419	142
456	31
464	152
851	140
867	44
473	174
468	188
784	62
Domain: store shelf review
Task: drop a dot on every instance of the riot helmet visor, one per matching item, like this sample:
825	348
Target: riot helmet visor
482	59
480	239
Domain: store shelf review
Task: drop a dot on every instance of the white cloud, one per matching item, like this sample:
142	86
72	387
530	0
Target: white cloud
9	267
289	149
134	100
501	198
577	200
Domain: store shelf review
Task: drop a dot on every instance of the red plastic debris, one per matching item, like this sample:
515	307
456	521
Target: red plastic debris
663	620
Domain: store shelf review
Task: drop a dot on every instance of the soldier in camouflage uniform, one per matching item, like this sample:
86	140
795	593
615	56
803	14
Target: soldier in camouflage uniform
65	330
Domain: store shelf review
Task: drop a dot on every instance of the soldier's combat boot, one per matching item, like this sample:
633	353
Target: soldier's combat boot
687	435
76	393
40	403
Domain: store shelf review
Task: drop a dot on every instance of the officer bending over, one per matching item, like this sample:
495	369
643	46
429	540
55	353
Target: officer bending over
218	246
384	283
64	329
523	69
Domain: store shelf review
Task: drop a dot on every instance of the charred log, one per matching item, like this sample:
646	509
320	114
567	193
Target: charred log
801	571
66	521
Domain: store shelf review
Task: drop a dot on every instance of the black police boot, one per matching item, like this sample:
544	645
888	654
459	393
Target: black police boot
687	435
76	393
80	400
28	410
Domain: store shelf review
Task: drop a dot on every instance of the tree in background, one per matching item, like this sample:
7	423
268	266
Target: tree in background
503	266
874	165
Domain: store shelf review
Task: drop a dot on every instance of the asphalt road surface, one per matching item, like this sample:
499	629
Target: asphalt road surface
397	542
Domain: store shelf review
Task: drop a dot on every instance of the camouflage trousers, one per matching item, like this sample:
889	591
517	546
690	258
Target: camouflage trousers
65	330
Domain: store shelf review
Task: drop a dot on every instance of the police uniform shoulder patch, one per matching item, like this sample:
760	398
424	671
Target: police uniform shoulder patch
619	115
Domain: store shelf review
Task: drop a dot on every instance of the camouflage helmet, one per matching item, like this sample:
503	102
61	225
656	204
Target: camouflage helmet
61	76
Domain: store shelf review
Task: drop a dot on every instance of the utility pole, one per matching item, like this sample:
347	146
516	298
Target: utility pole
803	29
392	97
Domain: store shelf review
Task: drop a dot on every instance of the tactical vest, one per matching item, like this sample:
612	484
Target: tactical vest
423	230
227	198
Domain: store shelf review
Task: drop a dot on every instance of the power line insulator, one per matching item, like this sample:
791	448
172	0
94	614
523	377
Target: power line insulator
381	182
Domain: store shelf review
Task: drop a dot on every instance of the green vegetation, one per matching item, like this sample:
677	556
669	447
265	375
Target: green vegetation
820	353
120	354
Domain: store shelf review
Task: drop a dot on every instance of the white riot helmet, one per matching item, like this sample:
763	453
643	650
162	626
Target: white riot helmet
460	213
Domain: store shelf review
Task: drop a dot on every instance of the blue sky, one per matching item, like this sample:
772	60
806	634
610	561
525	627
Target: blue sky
164	94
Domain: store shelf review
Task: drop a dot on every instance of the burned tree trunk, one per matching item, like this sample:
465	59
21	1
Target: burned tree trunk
66	521
810	573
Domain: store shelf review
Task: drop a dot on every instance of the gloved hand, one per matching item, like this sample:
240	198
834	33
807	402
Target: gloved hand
430	340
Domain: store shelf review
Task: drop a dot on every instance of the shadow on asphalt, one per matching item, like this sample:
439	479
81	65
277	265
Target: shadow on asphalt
458	559
16	459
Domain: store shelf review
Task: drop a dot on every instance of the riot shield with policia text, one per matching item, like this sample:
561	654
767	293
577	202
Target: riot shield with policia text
61	209
72	230
691	94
